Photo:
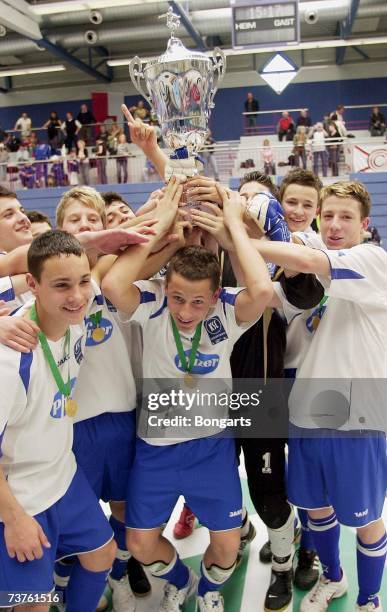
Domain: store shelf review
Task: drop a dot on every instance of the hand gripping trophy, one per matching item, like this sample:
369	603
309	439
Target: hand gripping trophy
181	87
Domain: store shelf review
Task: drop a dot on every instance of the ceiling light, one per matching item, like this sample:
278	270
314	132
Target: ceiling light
31	70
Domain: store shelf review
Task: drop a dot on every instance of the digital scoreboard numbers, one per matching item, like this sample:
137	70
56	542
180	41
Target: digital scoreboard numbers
264	23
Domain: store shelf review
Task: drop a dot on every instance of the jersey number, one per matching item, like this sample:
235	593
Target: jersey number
266	460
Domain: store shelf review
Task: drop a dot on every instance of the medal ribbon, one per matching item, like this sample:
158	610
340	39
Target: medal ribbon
179	345
64	388
96	318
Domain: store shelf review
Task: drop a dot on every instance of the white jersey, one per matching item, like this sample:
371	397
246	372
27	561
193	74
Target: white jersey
7	292
350	341
161	360
302	324
105	382
36	435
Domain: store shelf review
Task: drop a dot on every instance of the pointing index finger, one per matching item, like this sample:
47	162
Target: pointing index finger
128	115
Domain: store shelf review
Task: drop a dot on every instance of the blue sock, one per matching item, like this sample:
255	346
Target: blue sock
62	572
85	589
326	535
306	534
213	578
175	572
122	555
370	566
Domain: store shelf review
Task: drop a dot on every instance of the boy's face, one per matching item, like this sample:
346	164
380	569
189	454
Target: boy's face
189	301
299	204
80	218
249	190
15	227
118	212
64	289
341	222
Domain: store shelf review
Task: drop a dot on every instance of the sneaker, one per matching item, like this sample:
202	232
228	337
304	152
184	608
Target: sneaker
370	606
123	599
265	554
185	525
319	598
280	592
307	570
212	601
174	598
245	540
138	579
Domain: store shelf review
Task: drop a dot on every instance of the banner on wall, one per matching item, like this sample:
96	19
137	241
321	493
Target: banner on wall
370	158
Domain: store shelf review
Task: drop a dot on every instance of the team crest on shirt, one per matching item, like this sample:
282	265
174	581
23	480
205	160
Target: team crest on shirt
204	363
313	321
58	406
78	350
215	330
93	339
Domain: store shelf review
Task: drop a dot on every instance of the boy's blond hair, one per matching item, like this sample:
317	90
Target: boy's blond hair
85	195
348	189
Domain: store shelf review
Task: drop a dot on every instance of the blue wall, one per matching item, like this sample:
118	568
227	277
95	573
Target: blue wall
226	120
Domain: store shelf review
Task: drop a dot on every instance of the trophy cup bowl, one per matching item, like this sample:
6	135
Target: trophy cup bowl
181	85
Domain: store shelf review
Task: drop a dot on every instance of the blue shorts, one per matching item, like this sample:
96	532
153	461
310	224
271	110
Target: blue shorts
346	470
75	524
205	471
104	448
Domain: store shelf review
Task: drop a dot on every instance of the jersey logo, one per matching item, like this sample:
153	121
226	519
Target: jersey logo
204	364
313	321
360	514
58	406
235	513
215	330
105	325
78	350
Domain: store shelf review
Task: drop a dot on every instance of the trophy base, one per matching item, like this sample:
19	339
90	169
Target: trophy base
183	169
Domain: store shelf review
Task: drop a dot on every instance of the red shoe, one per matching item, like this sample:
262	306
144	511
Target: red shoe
185	525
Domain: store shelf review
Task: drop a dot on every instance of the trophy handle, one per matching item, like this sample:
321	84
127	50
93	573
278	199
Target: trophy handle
136	74
218	69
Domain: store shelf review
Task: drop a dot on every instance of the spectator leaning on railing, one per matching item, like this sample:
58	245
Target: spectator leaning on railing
317	140
251	106
285	127
24	124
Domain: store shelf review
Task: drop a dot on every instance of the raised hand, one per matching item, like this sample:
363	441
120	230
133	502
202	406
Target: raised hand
115	239
166	209
233	205
141	134
203	189
213	223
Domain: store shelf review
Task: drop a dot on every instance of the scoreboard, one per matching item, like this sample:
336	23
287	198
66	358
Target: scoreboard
264	22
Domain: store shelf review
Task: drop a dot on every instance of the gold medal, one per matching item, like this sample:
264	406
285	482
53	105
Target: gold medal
98	334
189	380
71	407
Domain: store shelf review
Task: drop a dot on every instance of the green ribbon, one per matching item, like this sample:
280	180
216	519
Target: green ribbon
64	388
96	318
194	348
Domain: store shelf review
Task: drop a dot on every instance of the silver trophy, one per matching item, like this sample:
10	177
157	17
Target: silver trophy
181	87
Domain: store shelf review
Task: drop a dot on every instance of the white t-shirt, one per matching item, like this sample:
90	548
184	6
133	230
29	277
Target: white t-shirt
35	432
351	339
7	292
105	382
161	360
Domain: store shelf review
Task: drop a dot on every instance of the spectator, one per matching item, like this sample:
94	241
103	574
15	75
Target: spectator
53	126
4	157
86	118
57	171
304	120
24	124
103	134
71	128
377	125
251	106
40	223
22	155
123	152
210	168
338	117
27	175
267	157
285	127
334	140
140	111
300	141
73	168
317	141
114	132
83	161
100	153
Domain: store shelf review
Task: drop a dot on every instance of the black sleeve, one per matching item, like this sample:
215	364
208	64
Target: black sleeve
303	291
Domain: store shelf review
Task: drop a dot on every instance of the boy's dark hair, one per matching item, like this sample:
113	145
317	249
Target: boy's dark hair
195	263
259	177
7	193
35	216
112	196
51	244
298	176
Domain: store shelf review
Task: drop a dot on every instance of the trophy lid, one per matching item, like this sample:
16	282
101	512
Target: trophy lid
176	51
